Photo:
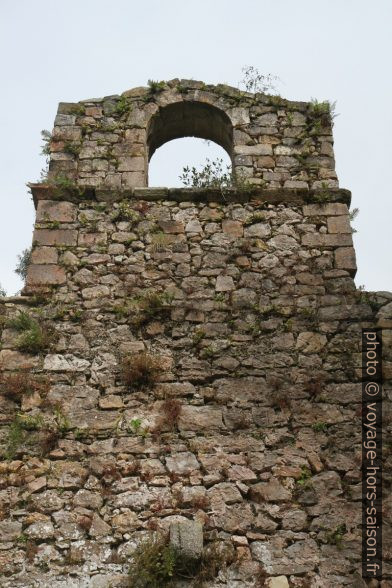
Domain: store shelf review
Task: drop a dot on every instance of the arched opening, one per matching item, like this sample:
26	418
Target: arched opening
167	165
189	119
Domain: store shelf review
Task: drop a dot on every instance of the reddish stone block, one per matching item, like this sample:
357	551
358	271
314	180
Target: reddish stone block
87	239
14	360
55	237
50	210
45	275
172	226
42	255
232	228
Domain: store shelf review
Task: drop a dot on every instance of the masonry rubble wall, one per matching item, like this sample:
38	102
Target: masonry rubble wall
246	302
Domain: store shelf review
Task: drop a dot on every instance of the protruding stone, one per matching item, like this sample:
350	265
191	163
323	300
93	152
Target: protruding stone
187	538
52	211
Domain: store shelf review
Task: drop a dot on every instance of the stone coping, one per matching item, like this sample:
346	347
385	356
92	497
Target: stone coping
268	195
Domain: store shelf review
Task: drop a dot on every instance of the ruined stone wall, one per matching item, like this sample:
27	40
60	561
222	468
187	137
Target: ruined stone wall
242	311
273	142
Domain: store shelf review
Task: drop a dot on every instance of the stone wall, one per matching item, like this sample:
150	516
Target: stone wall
185	355
272	142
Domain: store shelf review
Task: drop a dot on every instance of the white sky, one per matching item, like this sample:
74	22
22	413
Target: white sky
339	50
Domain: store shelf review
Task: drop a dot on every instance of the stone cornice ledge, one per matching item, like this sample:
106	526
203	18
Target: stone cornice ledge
267	195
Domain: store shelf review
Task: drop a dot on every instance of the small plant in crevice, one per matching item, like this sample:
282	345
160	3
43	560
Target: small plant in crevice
135	427
352	216
335	536
156	563
171	410
305	478
160	241
256	82
15	386
34	337
24	259
261	577
140	371
198	336
123	106
254	218
72	148
46	138
18	432
153	564
151	304
314	385
126	212
156	87
320	427
31	550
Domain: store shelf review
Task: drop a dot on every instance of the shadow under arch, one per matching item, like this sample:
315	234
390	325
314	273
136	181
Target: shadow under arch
190	119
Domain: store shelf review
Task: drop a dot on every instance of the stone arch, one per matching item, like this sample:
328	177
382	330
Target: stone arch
189	119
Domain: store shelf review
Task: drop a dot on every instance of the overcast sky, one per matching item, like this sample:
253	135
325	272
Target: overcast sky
339	50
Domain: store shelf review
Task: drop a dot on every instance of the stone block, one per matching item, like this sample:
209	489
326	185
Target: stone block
88	239
49	210
187	538
326	240
339	224
133	179
330	209
258	149
10	530
345	259
45	275
266	162
171	226
14	360
277	582
182	463
43	255
200	418
309	342
55	237
271	491
95	292
224	284
131	164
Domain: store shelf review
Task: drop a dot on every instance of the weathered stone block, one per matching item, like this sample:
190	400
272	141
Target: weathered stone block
14	360
171	226
325	240
136	179
309	342
257	149
271	491
43	255
277	582
45	275
55	237
187	538
182	463
345	259
330	209
49	210
339	224
197	418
